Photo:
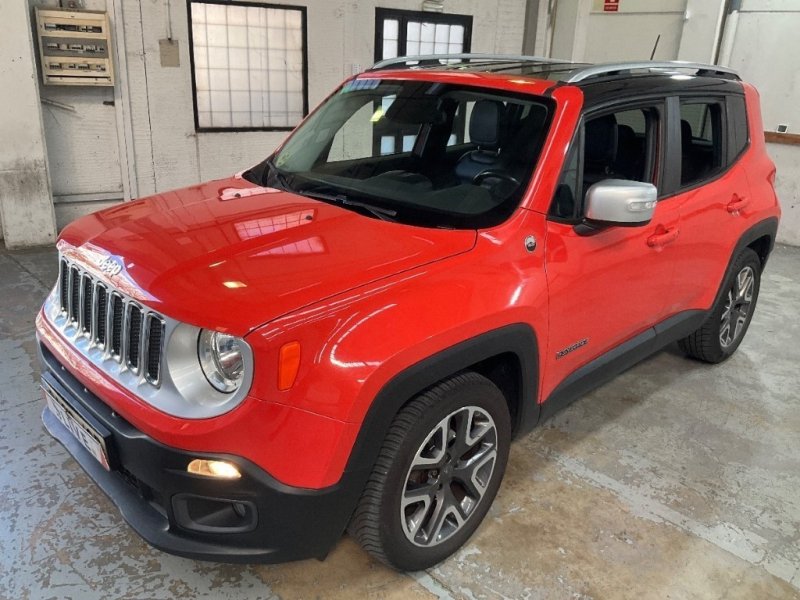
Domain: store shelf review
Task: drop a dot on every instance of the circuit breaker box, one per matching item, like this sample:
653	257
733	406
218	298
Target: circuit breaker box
74	47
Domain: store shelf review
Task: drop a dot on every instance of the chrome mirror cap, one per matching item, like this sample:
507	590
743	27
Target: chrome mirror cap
621	202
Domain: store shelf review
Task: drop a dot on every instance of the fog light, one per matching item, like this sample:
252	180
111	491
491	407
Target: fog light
213	468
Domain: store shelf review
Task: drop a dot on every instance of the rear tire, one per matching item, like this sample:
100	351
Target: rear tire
719	337
437	474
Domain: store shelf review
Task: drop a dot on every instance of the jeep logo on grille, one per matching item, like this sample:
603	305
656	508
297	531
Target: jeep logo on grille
110	266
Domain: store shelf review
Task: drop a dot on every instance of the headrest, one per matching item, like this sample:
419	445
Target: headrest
484	123
601	139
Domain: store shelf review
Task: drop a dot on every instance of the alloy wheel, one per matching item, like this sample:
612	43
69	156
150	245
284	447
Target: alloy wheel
737	307
448	476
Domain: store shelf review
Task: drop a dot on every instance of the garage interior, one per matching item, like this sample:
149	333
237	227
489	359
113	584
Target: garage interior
677	479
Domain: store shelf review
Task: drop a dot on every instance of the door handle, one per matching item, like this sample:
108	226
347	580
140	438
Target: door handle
662	237
737	203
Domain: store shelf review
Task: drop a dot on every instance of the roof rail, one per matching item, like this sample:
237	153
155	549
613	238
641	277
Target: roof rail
585	73
402	62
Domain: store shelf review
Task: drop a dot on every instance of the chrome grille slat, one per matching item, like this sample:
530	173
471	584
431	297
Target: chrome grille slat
63	285
116	312
74	294
86	304
99	308
122	329
153	344
133	345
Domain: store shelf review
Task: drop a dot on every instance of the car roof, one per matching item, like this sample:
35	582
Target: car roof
600	83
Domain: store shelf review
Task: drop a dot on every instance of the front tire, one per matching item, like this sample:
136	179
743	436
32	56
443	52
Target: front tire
437	474
724	330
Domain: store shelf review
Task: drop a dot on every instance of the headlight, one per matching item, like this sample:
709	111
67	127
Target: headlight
221	359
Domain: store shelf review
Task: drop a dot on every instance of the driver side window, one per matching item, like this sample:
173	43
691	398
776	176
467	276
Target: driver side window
618	145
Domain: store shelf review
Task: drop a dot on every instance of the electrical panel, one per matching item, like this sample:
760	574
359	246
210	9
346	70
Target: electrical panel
74	47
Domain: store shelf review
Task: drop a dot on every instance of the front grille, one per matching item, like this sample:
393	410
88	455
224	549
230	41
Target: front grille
123	329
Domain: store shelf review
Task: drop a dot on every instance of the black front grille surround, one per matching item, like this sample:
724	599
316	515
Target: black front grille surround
126	331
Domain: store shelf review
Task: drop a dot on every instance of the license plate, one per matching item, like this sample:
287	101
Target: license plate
88	437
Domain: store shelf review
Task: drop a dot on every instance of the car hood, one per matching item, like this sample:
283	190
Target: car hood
230	255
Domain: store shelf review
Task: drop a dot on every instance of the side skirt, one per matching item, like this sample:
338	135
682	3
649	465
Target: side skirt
604	368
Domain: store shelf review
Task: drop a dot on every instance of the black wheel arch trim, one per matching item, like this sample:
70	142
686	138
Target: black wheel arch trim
766	228
518	339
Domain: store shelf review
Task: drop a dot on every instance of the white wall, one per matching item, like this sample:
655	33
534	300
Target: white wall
762	42
26	212
583	32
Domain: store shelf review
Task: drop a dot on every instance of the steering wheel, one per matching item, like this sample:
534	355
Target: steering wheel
494	174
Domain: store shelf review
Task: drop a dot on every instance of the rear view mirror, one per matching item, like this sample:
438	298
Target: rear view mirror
621	202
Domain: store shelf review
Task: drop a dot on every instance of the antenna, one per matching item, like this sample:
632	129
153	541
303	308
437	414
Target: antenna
653	53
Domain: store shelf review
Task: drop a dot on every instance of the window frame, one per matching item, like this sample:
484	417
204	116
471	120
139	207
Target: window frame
304	33
403	16
657	161
674	150
734	130
722	104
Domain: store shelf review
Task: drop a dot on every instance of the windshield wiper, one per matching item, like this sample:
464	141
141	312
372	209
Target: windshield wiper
279	176
385	214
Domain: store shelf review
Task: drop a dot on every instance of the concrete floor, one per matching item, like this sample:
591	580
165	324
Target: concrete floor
677	480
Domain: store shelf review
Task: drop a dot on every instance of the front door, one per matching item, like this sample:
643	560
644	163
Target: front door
606	284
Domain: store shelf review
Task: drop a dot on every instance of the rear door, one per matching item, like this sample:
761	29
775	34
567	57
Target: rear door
713	193
607	284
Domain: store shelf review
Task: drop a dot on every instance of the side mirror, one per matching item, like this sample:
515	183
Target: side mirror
621	202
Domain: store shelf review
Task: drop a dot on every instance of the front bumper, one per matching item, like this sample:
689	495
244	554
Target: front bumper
251	519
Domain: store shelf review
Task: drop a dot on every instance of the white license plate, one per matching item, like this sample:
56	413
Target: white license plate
88	437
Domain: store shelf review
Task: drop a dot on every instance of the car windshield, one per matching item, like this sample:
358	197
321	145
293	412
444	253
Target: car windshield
424	153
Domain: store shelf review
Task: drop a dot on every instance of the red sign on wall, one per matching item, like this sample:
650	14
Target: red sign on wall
610	5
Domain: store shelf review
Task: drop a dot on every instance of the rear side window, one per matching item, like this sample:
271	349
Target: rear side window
738	132
701	141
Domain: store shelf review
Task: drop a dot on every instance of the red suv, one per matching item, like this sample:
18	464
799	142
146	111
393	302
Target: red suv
444	253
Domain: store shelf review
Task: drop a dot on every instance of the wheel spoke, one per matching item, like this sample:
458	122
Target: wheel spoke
745	284
421	499
725	331
479	427
460	424
434	448
421	494
466	471
740	321
445	519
